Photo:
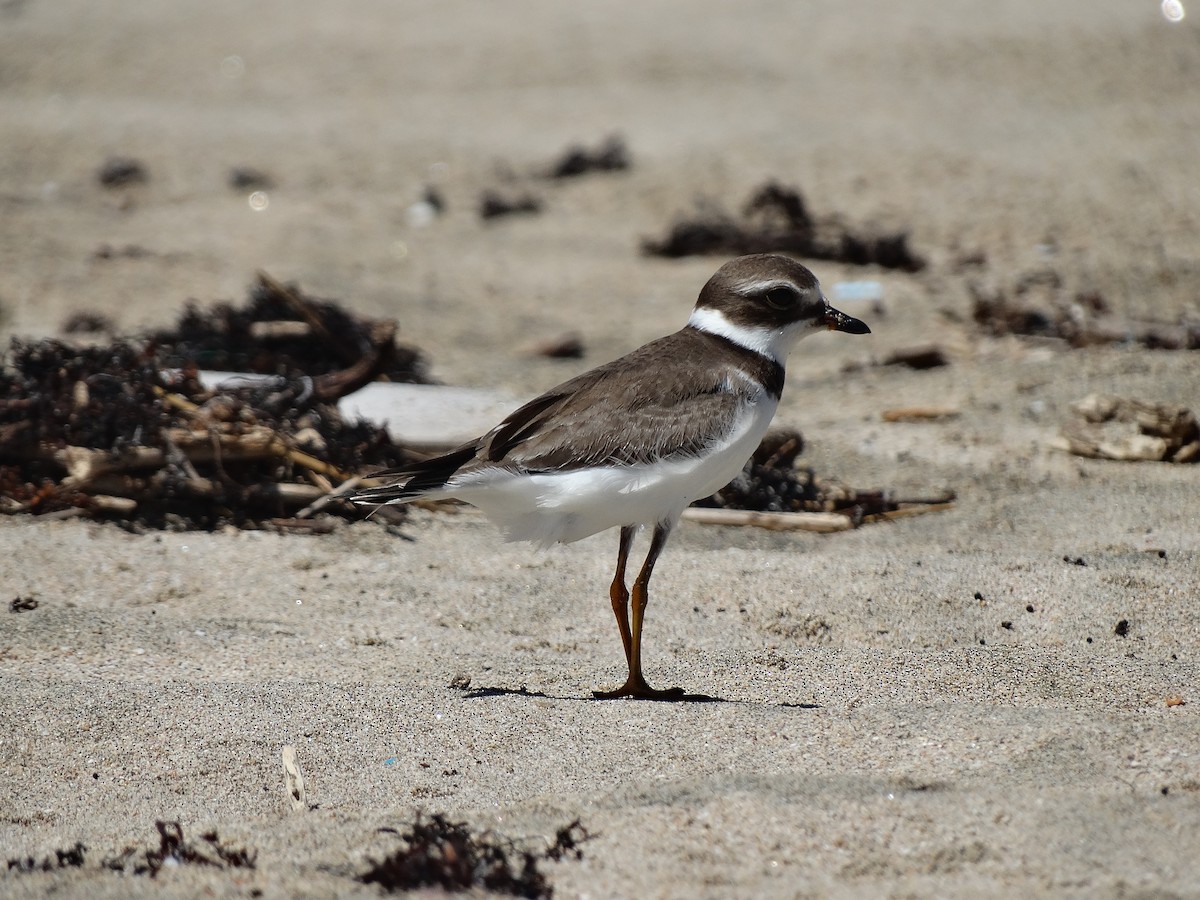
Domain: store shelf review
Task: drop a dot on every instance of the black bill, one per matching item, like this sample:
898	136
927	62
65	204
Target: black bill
839	321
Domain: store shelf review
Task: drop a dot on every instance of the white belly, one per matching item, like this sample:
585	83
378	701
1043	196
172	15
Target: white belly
568	506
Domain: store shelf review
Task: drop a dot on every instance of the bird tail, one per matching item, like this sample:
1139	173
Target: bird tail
415	480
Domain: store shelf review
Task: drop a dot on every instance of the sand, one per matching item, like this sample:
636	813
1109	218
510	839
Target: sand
939	706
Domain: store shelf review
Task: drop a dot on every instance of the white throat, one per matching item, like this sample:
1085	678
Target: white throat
773	343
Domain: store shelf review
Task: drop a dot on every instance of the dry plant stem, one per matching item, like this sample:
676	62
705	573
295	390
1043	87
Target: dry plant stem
125	506
258	442
293	780
350	354
124	485
183	404
906	511
329	497
775	521
332	387
919	413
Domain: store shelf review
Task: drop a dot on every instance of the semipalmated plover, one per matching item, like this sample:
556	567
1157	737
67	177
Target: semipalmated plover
633	442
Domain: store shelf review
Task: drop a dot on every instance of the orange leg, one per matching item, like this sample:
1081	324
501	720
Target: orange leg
631	636
618	593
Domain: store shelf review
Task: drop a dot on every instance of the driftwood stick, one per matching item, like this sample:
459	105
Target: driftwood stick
300	458
279	330
321	502
119	485
71	512
335	385
304	309
775	521
124	506
906	511
256	442
178	401
84	464
320	481
292	493
919	413
304	526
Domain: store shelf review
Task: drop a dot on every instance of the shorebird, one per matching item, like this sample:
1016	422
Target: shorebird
633	442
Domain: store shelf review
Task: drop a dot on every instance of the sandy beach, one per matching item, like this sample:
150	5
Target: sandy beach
1000	699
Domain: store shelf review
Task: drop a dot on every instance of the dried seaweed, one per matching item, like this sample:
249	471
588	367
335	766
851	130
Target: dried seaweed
118	171
494	205
445	854
72	857
174	849
1132	430
1038	303
322	337
771	482
611	155
250	179
126	431
776	220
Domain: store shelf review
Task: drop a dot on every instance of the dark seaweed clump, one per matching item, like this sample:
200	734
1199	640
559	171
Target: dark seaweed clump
448	855
776	219
126	431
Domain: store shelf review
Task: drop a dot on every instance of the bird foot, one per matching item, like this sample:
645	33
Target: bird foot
639	690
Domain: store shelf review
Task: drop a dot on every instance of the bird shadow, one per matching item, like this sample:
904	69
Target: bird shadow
481	693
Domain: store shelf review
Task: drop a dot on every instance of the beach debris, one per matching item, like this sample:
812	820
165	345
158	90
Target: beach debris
868	291
920	414
925	356
22	604
428	418
128	251
1121	629
293	780
433	196
1128	429
568	345
248	178
1175	700
773	492
424	211
821	523
493	204
87	323
173	849
71	857
118	171
439	853
1038	304
610	155
776	219
117	432
320	337
137	433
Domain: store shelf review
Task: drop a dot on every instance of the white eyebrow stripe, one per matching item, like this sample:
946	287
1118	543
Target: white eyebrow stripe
757	287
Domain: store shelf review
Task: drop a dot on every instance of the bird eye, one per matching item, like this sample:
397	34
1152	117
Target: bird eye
781	297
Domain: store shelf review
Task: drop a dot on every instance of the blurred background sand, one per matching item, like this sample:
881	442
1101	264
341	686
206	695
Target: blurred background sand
885	732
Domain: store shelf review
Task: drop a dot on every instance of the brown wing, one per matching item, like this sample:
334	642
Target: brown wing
664	397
